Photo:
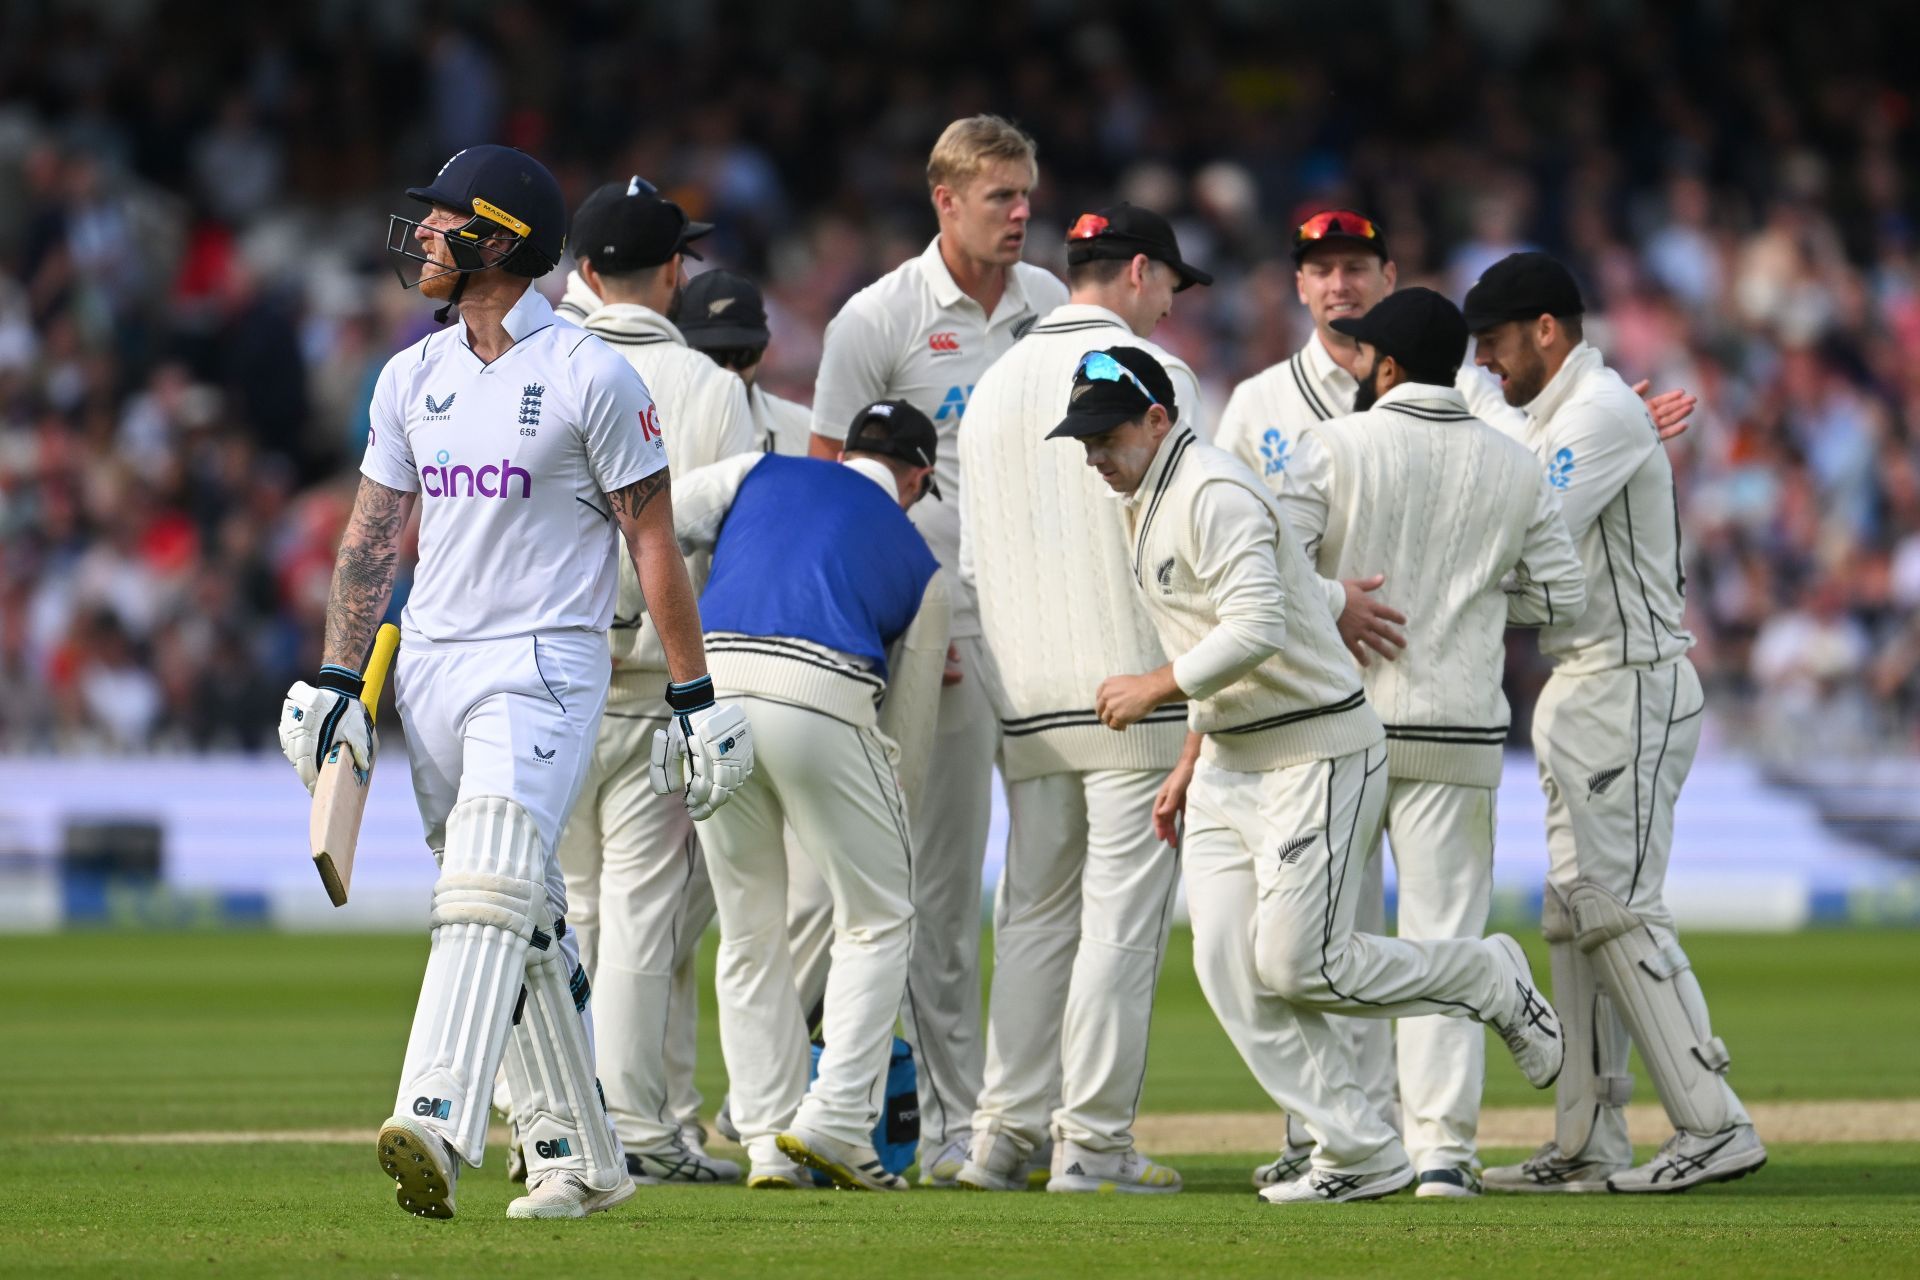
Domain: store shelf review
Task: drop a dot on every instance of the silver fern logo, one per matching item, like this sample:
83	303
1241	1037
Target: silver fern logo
1290	851
1164	576
1597	784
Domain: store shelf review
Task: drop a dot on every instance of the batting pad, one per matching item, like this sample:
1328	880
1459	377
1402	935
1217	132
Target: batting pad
483	916
557	1102
1652	987
1596	1074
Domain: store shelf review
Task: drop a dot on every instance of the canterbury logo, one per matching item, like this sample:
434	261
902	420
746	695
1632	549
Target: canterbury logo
1597	785
1290	851
718	305
944	342
439	406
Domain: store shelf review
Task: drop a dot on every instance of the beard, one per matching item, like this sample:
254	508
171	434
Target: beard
1368	391
1526	379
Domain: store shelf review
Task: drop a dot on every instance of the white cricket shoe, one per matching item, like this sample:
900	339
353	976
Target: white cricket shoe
943	1170
562	1193
681	1163
423	1165
851	1166
1455	1182
1692	1159
1551	1170
1528	1024
1328	1186
770	1170
995	1162
1292	1162
1077	1170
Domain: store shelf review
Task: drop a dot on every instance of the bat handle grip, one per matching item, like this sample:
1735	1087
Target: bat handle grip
385	642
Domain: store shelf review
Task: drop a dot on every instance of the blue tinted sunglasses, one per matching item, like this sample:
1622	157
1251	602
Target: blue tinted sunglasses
1098	366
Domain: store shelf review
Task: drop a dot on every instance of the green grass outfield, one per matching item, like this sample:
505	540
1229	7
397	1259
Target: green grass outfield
107	1034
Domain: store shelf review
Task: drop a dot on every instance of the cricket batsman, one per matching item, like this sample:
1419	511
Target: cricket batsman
533	451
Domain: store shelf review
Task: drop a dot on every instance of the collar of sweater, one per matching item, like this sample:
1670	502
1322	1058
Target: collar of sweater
1425	400
628	320
1335	382
1165	458
1580	361
1072	316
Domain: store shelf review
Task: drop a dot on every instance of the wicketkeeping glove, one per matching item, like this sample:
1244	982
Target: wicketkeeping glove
706	749
316	716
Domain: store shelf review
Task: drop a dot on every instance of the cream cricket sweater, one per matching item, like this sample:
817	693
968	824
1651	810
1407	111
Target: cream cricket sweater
1040	543
1268	681
1463	523
704	417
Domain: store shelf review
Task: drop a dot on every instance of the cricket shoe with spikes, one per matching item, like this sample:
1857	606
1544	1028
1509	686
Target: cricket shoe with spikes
423	1165
681	1164
1693	1159
1551	1170
1078	1170
1291	1163
1453	1182
561	1193
770	1169
1329	1186
995	1162
943	1169
1528	1024
850	1166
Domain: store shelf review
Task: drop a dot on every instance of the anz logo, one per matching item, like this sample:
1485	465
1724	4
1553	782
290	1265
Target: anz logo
954	403
1273	448
1560	470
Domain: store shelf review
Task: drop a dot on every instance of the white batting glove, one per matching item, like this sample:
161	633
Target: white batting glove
706	750
316	718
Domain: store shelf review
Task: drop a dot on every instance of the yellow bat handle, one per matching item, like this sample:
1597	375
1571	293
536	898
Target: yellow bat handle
385	641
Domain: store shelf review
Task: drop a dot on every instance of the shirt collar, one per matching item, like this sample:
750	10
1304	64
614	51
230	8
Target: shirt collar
1582	360
532	312
948	293
1326	371
876	471
1083	313
1425	395
1163	460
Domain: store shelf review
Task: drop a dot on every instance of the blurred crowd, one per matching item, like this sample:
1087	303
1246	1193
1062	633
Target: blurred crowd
194	303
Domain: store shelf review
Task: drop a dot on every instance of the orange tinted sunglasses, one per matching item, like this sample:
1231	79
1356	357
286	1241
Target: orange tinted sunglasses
1336	222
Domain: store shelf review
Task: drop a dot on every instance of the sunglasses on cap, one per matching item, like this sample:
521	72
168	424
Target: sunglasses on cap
1098	366
1088	226
1335	222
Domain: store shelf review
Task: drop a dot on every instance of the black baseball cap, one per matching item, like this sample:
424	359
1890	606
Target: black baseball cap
1104	396
1522	286
1125	230
895	429
510	189
722	310
1422	330
1339	226
627	226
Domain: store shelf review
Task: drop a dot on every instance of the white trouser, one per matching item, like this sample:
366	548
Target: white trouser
1305	831
1442	839
639	899
950	821
809	929
1080	926
512	718
1614	750
1371	1039
835	785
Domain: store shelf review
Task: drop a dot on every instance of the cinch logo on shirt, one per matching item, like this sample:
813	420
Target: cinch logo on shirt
447	478
954	403
943	343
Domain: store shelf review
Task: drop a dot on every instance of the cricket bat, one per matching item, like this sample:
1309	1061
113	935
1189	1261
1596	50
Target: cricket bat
340	794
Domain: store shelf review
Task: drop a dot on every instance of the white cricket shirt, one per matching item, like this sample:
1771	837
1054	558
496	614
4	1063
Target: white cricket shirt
913	335
512	461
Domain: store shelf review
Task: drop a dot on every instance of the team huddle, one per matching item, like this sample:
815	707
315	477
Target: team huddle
661	668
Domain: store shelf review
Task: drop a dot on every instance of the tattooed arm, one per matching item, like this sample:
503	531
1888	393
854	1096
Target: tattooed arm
363	572
645	512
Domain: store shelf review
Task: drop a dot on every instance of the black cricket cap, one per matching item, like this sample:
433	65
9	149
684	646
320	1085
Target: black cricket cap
629	226
1339	227
722	311
510	189
1125	230
895	429
1099	404
1422	330
1522	286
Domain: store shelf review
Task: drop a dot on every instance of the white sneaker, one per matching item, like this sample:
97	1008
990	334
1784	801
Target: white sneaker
1691	1159
944	1169
1551	1170
680	1163
422	1163
1078	1170
771	1170
995	1162
1327	1186
1455	1182
852	1166
1528	1025
1293	1162
562	1193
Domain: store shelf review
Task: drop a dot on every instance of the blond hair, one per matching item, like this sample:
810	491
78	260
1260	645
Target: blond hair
967	146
